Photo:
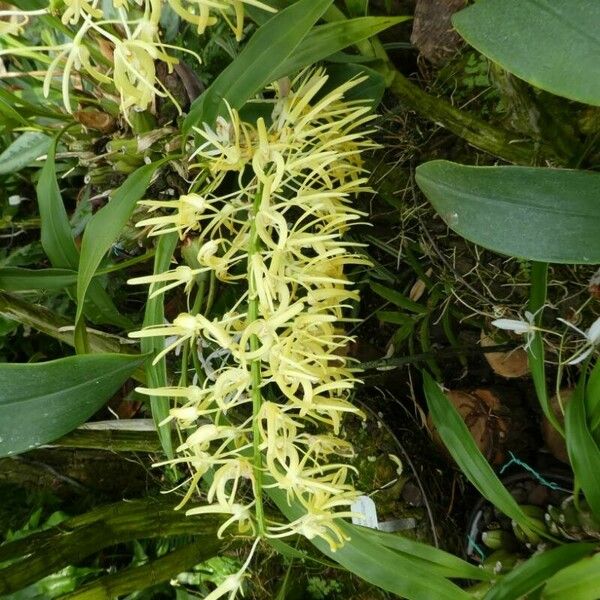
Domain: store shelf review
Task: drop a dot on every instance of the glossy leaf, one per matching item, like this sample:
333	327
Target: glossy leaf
459	442
324	40
253	69
583	450
547	215
24	150
580	581
40	402
552	45
536	570
104	227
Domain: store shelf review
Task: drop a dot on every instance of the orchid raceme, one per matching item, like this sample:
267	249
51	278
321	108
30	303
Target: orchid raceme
275	384
116	45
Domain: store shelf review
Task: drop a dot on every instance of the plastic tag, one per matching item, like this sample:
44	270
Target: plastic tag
368	513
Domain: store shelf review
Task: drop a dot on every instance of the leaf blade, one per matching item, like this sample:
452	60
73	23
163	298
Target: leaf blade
104	227
271	45
535	571
324	40
24	150
541	214
580	581
582	448
462	447
552	45
36	407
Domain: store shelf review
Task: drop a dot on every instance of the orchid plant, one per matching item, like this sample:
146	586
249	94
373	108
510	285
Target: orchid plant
276	400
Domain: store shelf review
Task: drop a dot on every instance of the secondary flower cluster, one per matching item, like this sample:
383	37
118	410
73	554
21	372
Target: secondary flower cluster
118	43
269	412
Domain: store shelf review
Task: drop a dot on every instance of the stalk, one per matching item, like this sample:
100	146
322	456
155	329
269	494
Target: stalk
255	370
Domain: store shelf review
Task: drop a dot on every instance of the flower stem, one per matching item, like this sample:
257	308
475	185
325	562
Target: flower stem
255	365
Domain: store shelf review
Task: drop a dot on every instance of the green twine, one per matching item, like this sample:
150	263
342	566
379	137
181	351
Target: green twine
549	484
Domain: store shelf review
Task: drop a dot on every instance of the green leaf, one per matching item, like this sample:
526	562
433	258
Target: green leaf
537	570
552	45
592	397
440	562
57	239
253	69
457	438
24	150
398	299
324	40
370	90
395	572
56	236
104	227
583	450
536	352
17	279
580	581
156	375
547	215
42	402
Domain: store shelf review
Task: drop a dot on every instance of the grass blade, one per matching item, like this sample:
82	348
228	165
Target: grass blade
462	447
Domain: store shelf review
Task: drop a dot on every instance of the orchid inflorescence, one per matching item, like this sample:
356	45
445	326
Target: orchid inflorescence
117	43
277	382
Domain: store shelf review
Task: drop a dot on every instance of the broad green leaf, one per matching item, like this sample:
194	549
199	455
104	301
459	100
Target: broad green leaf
441	562
537	570
547	215
24	150
459	442
552	45
253	69
41	402
156	375
580	581
16	279
398	298
583	450
327	39
104	227
409	577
